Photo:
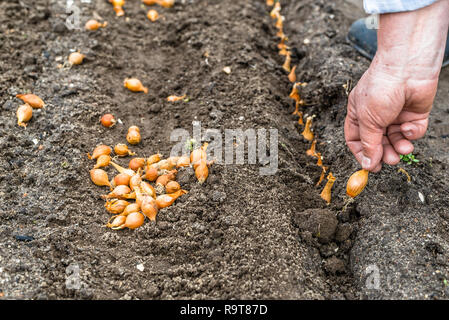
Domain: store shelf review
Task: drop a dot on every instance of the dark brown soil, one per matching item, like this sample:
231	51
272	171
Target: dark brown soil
240	235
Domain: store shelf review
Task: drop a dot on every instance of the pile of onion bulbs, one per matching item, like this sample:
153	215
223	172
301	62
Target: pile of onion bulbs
146	186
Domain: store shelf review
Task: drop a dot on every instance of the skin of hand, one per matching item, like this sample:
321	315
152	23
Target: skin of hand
391	103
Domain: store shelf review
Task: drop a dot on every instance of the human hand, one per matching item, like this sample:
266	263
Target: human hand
391	103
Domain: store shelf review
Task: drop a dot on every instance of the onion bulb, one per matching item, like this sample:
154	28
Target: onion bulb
154	158
120	169
119	11
136	163
133	136
319	162
76	58
149	208
135	181
326	193
162	180
292	75
147	189
108	120
311	152
99	177
294	94
116	206
100	150
133	207
132	221
152	15
172	186
356	183
286	65
307	133
31	99
122	179
183	161
270	3
150	2
175	98
134	85
94	25
198	155
275	11
166	3
24	114
151	173
121	192
103	161
202	172
117	222
122	150
166	200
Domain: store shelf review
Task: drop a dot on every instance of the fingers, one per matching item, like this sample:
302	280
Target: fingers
415	129
371	140
398	141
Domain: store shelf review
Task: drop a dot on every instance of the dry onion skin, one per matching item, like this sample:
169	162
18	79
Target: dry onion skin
152	15
134	85
120	169
122	150
33	100
76	58
24	114
108	120
93	25
356	183
326	193
133	136
100	150
99	177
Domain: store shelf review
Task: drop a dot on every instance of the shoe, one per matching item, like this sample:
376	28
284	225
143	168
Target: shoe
364	40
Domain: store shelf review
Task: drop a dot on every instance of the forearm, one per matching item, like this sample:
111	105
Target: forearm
410	42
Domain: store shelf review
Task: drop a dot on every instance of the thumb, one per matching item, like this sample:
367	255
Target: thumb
372	152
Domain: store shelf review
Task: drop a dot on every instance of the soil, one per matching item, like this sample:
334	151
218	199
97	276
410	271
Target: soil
241	235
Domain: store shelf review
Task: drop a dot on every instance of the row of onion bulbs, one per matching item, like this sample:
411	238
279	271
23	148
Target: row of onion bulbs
359	179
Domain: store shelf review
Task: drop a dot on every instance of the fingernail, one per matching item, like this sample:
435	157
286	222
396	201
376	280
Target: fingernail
408	133
366	162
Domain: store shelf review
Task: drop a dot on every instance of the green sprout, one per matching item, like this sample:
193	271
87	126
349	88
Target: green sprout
190	144
409	158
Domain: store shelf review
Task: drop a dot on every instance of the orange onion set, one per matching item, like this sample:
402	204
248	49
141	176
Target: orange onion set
146	186
359	179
